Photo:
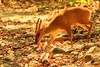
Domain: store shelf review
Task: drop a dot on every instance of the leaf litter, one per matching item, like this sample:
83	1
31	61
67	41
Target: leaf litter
17	43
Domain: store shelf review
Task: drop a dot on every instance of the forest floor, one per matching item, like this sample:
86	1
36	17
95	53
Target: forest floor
17	41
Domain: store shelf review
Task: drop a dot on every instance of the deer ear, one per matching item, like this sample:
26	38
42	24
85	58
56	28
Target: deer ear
38	26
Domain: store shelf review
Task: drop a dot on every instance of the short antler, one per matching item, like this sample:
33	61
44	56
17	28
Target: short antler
38	26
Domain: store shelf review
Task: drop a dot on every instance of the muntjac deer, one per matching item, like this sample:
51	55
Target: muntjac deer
70	17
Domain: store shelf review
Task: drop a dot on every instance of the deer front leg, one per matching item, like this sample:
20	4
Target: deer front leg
68	29
52	37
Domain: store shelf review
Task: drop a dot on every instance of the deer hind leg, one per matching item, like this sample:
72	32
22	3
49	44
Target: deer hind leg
88	28
89	31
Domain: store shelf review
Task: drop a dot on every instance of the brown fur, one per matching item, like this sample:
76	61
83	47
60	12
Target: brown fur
74	16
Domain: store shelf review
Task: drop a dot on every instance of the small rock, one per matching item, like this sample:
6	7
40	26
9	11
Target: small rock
33	55
2	65
80	47
7	65
89	45
99	59
26	65
10	52
25	60
81	55
74	53
44	56
9	58
53	65
29	34
93	49
3	44
60	51
97	43
74	59
58	55
88	57
34	63
96	63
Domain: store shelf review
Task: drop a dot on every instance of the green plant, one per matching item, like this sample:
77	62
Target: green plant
71	2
